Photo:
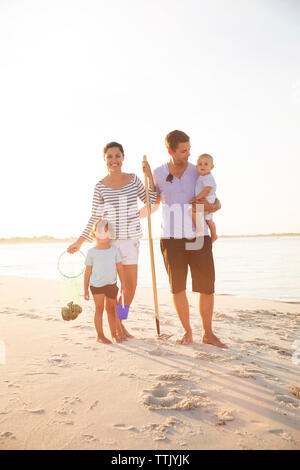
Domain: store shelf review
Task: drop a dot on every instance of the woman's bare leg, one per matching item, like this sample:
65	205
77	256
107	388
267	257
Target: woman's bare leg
130	274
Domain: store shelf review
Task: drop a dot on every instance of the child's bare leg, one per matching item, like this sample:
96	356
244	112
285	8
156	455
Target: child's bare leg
98	319
213	230
111	309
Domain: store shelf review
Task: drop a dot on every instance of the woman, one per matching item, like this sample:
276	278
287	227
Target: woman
115	198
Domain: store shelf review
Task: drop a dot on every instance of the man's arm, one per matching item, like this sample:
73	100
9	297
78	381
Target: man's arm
208	207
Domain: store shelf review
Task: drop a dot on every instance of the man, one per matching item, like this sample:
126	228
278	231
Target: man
175	184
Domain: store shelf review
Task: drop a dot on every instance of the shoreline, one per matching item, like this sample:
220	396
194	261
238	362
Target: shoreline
60	389
50	239
163	290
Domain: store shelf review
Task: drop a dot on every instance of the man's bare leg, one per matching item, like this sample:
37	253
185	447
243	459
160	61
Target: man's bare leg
182	308
206	307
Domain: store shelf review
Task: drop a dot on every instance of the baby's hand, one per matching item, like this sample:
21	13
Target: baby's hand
86	295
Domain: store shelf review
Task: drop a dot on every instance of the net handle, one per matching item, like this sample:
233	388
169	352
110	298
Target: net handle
70	277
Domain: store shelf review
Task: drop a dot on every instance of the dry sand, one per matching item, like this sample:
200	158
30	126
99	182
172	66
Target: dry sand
60	389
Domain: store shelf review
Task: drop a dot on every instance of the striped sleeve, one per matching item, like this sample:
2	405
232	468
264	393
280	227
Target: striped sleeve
142	193
97	212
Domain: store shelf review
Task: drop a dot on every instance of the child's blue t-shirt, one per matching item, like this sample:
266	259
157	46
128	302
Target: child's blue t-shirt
104	270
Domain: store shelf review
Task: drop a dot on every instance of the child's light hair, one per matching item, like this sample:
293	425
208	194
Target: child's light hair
104	224
206	155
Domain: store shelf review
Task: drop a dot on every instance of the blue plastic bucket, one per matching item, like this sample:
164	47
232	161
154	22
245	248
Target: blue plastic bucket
122	311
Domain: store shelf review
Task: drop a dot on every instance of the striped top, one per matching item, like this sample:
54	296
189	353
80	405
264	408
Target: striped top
120	208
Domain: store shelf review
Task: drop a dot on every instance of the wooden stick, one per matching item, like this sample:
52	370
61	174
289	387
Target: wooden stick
151	252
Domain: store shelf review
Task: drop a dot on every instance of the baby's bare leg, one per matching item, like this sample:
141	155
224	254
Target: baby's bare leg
98	319
213	230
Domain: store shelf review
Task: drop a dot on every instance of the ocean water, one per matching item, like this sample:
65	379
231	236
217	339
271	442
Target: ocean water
253	267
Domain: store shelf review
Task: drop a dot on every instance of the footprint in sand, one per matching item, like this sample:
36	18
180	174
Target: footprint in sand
211	357
7	435
242	373
12	385
281	433
94	405
159	352
38	411
89	437
67	407
159	431
59	360
287	401
224	417
173	392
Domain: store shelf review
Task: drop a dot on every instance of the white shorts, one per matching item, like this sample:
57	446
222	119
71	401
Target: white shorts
129	250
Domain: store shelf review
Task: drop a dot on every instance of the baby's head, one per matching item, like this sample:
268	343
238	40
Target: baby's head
205	164
101	230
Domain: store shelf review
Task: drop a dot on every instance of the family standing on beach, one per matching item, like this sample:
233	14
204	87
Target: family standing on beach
187	195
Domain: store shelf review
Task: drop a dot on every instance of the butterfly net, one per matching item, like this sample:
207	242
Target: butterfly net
71	268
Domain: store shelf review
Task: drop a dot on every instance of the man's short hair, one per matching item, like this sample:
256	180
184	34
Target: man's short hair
174	138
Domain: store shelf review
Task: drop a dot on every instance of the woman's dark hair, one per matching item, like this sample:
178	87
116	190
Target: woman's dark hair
113	144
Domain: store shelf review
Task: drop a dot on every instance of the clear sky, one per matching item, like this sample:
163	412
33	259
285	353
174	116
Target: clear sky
76	74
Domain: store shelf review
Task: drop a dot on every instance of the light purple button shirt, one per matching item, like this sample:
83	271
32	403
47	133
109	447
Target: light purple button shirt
175	199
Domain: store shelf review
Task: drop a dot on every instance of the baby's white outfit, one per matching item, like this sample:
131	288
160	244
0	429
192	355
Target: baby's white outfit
201	183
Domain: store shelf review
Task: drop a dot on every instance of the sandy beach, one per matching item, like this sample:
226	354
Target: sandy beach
60	389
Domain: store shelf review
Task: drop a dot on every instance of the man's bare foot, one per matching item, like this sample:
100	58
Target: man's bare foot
212	339
186	339
103	339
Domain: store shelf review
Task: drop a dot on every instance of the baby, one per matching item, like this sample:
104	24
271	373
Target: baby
206	187
103	262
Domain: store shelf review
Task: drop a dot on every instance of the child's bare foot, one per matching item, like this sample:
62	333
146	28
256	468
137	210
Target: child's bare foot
103	339
212	339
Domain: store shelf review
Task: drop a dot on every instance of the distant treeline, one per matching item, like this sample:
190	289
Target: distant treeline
43	239
49	239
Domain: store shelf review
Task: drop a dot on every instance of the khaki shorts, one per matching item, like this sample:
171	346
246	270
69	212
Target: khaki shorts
129	250
177	259
110	290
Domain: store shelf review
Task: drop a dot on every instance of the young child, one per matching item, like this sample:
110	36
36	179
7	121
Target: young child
103	262
206	187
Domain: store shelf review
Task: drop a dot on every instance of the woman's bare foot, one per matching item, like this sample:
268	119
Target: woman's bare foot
117	339
125	332
103	339
186	339
120	335
212	339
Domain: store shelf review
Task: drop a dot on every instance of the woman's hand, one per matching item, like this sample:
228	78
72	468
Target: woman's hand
74	247
86	295
147	168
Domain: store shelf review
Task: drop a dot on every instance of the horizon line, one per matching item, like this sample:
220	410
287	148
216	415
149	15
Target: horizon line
50	238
